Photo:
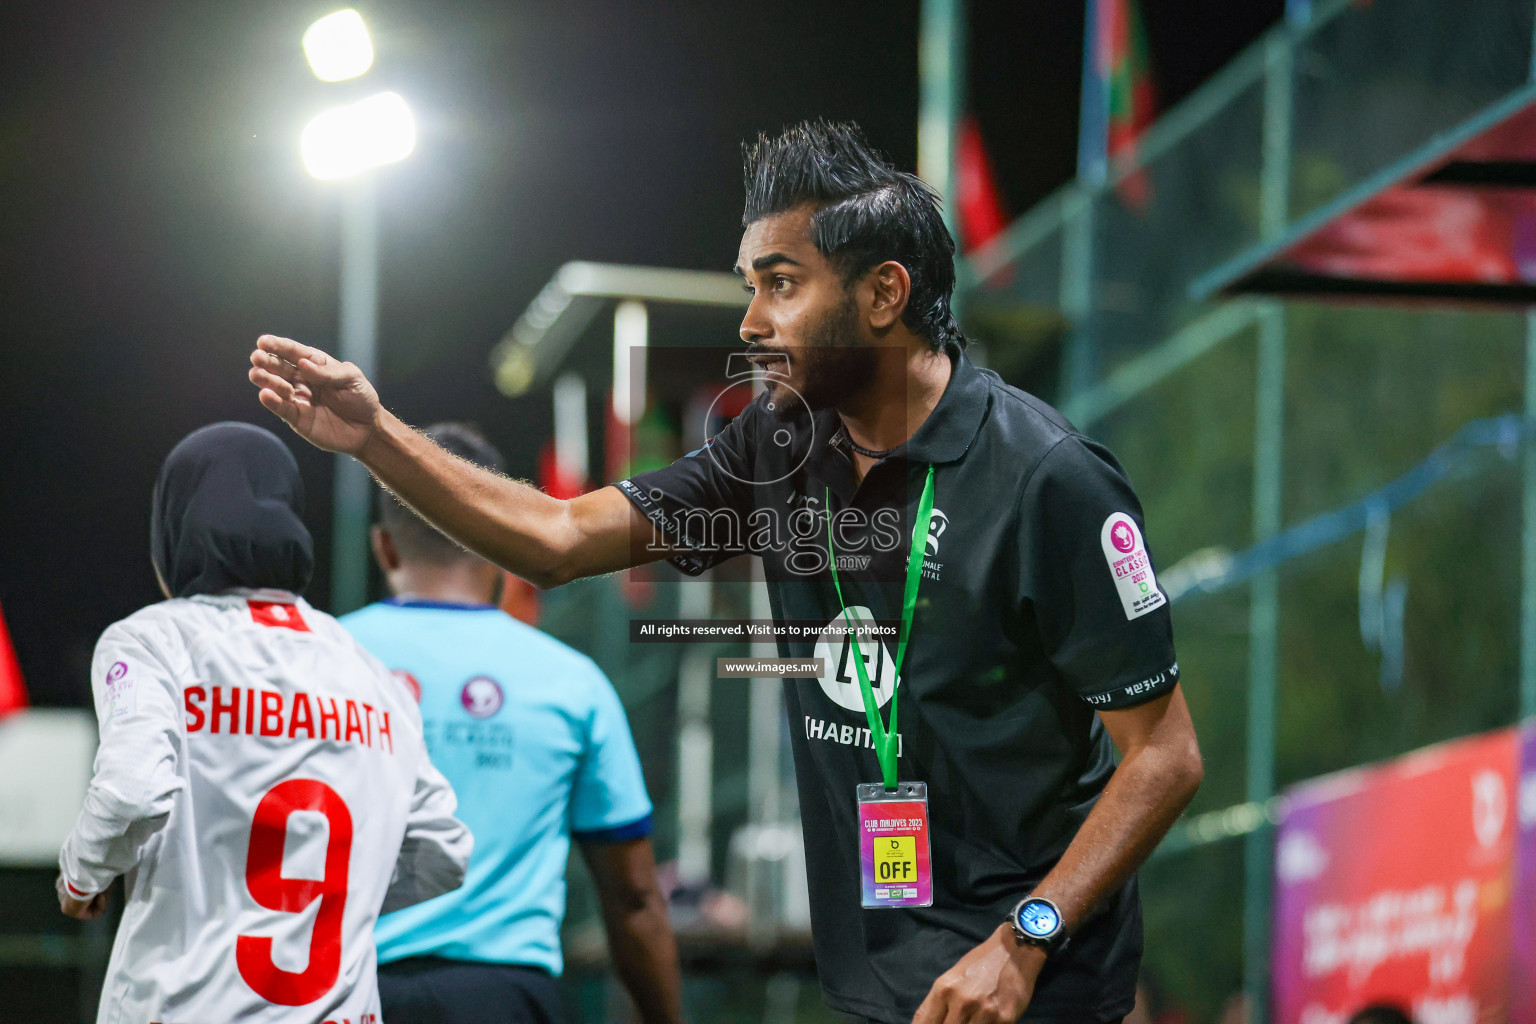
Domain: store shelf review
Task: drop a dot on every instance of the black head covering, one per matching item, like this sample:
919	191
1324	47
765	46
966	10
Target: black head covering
227	513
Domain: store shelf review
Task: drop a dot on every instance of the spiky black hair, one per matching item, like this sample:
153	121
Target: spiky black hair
865	212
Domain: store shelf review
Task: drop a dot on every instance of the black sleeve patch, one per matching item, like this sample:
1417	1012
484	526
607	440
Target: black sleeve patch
687	562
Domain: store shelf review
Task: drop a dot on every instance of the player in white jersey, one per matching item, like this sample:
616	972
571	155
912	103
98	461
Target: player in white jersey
262	784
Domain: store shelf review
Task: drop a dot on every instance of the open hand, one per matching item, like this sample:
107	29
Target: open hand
327	402
992	984
80	909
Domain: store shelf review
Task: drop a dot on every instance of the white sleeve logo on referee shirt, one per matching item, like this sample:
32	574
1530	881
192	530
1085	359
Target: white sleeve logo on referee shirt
122	697
1132	569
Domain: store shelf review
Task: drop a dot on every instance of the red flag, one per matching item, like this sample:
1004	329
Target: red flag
981	205
1132	94
13	692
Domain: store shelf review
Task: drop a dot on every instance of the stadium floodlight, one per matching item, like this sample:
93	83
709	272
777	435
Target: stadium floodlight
338	46
347	140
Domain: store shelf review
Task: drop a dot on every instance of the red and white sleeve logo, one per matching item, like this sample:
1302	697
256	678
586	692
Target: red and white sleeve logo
1126	554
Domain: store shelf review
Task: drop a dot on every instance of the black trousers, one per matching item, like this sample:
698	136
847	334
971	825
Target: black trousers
430	990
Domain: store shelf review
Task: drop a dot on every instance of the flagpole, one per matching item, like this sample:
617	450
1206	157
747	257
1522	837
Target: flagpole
1093	120
1079	357
941	98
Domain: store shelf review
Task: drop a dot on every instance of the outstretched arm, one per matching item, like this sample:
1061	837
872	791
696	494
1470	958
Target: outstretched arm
544	540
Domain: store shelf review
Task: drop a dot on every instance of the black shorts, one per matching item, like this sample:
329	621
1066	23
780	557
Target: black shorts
431	990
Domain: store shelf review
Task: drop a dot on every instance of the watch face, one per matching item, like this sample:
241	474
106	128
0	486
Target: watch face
1039	918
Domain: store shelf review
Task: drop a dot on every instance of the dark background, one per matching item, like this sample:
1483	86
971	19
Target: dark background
155	217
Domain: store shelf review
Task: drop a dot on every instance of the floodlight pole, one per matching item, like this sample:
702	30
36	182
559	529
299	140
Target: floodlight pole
358	339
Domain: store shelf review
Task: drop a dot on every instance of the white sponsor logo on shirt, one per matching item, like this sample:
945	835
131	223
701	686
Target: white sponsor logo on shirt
1126	554
840	681
122	694
937	524
932	568
843	733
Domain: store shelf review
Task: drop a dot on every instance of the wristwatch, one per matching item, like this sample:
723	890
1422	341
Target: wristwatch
1036	921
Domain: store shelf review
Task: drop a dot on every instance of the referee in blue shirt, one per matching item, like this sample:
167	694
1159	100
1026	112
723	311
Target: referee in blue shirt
534	740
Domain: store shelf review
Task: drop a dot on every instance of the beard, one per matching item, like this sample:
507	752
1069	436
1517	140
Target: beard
834	365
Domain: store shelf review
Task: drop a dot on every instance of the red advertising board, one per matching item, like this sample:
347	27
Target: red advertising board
1396	883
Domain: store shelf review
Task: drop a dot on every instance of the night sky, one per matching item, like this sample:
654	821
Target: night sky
155	217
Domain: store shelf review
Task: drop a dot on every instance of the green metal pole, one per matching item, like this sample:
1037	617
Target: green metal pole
1263	657
1079	363
941	99
1080	351
1275	183
941	102
1264	598
1528	535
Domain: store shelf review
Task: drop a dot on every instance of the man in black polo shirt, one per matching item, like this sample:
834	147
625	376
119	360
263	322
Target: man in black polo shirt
883	477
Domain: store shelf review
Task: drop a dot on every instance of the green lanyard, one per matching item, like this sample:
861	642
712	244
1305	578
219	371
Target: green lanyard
884	740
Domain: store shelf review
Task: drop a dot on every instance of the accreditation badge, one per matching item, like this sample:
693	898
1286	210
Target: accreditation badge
893	845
